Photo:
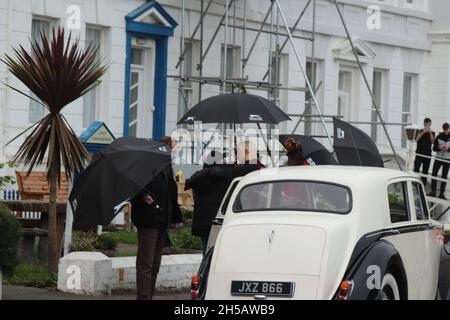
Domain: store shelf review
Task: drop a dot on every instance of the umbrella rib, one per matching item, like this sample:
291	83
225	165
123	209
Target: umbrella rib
354	144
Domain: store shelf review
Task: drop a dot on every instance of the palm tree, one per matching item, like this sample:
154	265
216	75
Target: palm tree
57	71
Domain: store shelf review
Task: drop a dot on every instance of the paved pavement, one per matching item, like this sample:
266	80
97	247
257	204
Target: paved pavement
27	293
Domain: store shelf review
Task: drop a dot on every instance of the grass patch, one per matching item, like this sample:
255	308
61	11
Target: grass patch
31	276
125	237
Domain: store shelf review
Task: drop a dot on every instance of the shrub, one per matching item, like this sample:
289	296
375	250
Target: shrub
84	241
91	241
10	232
106	242
183	239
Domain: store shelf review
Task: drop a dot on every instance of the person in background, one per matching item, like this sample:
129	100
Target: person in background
295	154
173	189
425	141
209	188
441	146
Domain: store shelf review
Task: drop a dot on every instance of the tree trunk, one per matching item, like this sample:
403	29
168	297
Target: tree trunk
53	253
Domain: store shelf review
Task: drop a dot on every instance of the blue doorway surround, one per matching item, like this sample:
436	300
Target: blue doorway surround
160	31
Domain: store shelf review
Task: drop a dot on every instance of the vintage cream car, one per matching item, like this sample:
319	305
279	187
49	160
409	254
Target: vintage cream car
323	233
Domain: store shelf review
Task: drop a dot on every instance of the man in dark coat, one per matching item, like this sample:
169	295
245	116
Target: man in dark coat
425	141
209	186
153	210
442	148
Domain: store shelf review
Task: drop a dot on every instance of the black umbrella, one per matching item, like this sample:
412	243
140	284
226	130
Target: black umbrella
114	175
354	147
314	152
235	108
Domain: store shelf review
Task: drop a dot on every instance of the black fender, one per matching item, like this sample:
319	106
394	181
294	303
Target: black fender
370	261
203	272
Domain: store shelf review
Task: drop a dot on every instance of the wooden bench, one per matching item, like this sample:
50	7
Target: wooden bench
34	193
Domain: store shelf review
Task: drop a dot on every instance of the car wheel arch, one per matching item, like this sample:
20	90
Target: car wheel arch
380	253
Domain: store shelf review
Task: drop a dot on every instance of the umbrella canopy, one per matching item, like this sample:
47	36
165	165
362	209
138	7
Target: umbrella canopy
116	174
235	108
354	147
313	150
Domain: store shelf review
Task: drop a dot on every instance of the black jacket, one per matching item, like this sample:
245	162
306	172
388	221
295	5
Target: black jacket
209	187
441	138
164	210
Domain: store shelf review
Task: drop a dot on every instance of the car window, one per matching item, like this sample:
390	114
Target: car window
294	195
398	202
223	208
419	202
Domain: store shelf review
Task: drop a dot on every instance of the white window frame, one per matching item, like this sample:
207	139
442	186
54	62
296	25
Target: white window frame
235	60
52	23
98	89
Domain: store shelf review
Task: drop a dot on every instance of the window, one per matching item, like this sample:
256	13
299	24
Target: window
377	89
223	208
345	94
90	99
188	91
233	63
310	72
38	26
136	90
406	107
294	196
279	75
398	202
420	202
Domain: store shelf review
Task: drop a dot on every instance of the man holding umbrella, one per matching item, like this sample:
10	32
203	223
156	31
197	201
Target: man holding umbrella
139	171
151	213
153	210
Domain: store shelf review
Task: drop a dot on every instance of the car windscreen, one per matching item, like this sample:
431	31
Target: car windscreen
294	195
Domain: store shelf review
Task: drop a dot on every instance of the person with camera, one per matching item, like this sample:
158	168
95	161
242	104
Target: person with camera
425	141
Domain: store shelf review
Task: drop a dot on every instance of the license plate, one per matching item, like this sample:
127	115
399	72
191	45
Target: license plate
267	288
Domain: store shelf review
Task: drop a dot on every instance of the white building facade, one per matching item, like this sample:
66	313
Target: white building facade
404	48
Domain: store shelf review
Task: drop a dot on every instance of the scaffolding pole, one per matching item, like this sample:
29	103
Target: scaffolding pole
183	53
292	30
244	39
244	62
200	65
308	83
366	81
225	49
216	32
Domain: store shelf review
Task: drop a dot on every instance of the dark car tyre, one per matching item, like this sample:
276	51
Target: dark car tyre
389	288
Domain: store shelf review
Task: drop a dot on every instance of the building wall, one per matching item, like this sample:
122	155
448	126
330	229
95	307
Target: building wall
409	41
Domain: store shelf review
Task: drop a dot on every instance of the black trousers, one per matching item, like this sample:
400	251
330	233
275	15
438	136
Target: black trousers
148	261
445	168
425	164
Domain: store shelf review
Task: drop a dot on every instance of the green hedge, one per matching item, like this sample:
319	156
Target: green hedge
10	233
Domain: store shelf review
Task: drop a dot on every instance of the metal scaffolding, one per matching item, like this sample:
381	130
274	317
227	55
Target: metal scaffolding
276	26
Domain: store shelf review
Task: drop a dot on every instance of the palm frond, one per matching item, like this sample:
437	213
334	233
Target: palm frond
57	72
